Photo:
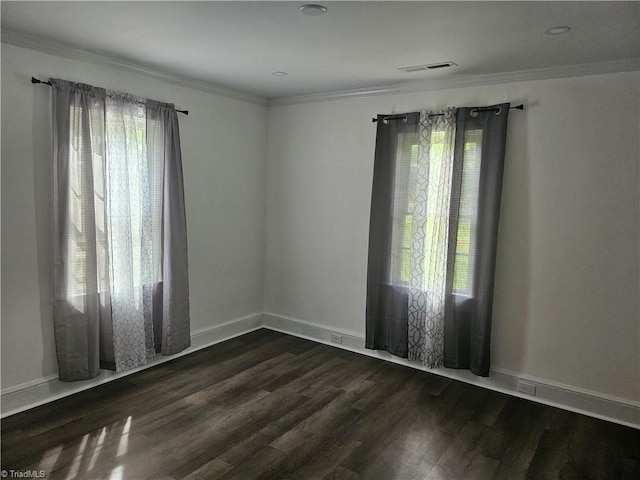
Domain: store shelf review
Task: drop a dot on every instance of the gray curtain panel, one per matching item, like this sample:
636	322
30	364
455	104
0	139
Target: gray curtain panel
473	231
121	289
81	304
387	295
163	130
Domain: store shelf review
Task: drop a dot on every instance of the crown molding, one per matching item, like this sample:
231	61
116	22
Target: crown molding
40	44
565	71
33	42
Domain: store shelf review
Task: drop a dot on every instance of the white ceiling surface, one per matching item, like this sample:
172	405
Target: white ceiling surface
354	45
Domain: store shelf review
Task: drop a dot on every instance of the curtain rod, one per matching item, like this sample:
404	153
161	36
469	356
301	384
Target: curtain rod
35	80
487	109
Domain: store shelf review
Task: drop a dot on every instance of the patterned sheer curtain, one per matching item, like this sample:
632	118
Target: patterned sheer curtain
430	195
115	168
133	210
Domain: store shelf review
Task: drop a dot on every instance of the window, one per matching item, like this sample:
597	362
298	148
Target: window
407	157
86	228
407	161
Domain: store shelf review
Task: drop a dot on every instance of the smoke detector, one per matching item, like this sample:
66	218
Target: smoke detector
559	30
313	9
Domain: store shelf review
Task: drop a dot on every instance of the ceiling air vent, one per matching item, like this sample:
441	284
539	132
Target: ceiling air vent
431	66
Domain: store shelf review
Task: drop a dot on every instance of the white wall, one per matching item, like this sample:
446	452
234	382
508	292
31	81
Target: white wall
566	306
223	144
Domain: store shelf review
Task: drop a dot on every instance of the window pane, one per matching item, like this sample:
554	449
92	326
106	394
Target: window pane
467	221
461	281
406	159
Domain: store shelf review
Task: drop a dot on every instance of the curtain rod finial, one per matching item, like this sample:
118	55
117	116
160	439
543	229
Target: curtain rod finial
35	80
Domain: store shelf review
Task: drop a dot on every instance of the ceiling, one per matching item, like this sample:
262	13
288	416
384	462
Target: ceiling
355	45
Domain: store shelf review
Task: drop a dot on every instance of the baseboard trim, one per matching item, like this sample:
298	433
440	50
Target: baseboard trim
18	398
37	392
551	393
30	384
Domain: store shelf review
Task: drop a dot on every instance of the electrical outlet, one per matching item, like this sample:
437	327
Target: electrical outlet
336	338
527	388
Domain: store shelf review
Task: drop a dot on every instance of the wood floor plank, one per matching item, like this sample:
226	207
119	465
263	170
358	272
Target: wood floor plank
272	406
213	469
322	463
551	457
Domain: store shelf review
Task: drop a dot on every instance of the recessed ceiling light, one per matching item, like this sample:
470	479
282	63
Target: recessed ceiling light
313	9
279	74
559	30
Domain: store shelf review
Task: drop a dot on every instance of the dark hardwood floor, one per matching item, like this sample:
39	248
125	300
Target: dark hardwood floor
268	405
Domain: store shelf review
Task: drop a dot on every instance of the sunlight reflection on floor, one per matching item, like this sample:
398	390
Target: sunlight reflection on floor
97	448
117	473
73	471
49	459
124	439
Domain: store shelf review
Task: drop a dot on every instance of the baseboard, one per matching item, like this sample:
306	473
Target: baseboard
551	393
29	384
31	394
